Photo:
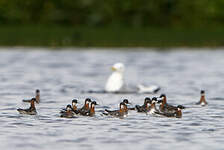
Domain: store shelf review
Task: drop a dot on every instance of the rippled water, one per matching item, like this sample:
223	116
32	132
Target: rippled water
62	75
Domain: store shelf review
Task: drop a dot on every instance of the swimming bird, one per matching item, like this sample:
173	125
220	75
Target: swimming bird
177	113
168	110
148	89
74	107
68	113
91	111
202	101
85	108
37	97
116	83
145	107
152	108
118	113
31	110
162	103
126	102
165	107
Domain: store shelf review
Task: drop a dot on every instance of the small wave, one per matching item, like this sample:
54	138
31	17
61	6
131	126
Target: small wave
78	140
208	130
217	98
195	124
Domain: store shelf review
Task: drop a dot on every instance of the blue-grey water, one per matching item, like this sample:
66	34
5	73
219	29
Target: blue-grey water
62	75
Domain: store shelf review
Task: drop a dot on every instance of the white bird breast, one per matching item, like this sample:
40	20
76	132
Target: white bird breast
152	111
115	82
203	104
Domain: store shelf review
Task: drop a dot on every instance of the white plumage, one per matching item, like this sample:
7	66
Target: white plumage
115	82
148	89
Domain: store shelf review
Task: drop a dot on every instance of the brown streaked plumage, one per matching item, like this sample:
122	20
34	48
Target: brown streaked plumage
31	110
145	107
85	108
177	113
165	107
202	101
91	111
118	113
68	113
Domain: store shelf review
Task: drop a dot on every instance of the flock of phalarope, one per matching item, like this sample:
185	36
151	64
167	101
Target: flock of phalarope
88	109
115	83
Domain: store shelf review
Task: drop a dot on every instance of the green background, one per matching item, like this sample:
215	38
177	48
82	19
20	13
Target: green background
112	23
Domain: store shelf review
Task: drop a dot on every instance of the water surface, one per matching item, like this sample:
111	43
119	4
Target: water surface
62	75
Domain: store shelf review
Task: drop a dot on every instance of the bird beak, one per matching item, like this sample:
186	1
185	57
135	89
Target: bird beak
113	68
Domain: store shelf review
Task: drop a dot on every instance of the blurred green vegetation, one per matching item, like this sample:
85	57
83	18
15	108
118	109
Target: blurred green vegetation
111	12
57	36
112	23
